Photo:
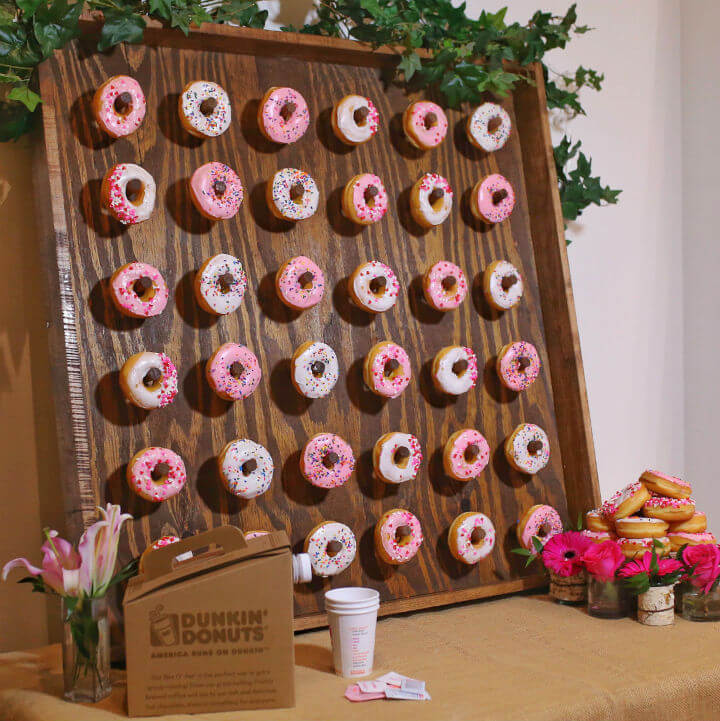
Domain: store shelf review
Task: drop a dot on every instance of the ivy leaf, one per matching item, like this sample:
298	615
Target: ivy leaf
25	96
28	6
161	8
120	26
409	65
56	24
245	13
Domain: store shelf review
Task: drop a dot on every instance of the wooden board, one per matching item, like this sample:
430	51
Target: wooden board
99	432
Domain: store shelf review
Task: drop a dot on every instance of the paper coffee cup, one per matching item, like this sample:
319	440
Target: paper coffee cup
352	616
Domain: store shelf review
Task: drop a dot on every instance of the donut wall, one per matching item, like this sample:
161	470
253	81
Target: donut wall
90	340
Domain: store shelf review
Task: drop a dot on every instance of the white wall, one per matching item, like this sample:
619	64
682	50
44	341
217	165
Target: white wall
701	272
626	260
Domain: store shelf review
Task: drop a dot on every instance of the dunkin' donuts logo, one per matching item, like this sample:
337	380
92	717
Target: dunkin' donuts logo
206	627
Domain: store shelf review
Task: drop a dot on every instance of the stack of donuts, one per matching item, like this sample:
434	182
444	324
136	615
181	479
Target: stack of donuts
656	510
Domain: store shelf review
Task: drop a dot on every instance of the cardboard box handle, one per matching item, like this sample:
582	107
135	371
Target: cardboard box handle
158	562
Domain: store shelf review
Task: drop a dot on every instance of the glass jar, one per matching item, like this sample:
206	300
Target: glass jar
697	606
571	590
607	599
86	649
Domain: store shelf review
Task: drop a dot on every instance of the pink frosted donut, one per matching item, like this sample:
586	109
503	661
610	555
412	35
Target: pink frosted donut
156	474
599	536
138	290
365	199
165	541
425	124
518	365
466	454
540	521
444	286
283	115
216	191
119	106
492	199
300	283
327	461
233	372
386	370
398	536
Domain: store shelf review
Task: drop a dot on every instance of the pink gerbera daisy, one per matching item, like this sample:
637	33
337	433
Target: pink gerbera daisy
563	553
666	566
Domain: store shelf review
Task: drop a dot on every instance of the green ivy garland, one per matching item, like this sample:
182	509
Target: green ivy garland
452	43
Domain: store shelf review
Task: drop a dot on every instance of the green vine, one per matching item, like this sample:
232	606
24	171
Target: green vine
440	49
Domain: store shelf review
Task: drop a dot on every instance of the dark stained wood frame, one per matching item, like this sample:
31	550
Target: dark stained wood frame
547	232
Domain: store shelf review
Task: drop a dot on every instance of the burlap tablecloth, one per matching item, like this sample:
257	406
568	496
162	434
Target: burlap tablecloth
513	658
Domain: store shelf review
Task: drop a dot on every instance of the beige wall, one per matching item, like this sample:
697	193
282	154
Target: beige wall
626	264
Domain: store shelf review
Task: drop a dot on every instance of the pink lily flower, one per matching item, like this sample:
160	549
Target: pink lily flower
98	550
60	565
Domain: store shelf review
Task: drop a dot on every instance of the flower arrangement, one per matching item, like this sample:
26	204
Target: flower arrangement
701	565
649	571
80	577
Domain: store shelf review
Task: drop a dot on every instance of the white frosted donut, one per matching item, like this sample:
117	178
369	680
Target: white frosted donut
356	119
454	370
523	451
293	194
149	380
374	286
331	547
503	284
217	121
315	369
128	193
397	457
431	199
479	132
221	283
246	468
471	537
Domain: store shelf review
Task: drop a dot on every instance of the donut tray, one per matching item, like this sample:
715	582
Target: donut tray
98	432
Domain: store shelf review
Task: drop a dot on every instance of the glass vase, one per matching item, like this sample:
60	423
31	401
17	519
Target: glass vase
656	607
607	599
697	606
86	649
570	590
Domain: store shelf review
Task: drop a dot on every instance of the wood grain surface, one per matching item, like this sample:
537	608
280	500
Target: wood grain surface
100	432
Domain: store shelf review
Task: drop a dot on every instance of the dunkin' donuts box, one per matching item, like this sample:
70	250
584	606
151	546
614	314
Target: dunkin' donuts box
213	632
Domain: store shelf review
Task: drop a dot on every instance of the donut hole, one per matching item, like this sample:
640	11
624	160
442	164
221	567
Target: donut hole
471	453
236	369
403	535
436	199
287	111
523	363
152	380
330	460
370	194
297	192
534	447
392	369
378	286
159	474
494	124
360	116
401	457
135	191
430	120
460	367
123	104
306	280
499	195
543	530
249	466
477	536
144	288
449	285
226	281
207	106
317	368
333	548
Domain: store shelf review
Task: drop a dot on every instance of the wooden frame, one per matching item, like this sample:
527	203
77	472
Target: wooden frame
536	234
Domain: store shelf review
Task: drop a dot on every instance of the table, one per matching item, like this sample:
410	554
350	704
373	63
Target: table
524	657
